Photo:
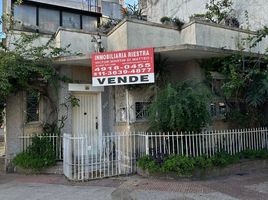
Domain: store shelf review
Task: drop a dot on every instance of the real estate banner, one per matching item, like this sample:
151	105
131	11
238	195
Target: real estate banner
134	66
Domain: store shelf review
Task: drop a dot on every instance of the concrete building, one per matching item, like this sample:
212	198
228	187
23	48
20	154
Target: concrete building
183	9
115	108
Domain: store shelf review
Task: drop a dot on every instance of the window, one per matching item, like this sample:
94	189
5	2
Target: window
70	20
32	107
49	20
25	17
123	115
141	109
89	23
218	110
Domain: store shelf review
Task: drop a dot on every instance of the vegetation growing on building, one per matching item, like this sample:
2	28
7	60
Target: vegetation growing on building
245	87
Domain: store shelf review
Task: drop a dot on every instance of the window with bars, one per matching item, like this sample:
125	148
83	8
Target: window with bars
32	107
141	110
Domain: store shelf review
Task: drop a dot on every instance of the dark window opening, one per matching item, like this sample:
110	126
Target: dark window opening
141	109
49	20
32	107
71	20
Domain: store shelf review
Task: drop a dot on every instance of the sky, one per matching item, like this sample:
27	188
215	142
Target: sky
130	1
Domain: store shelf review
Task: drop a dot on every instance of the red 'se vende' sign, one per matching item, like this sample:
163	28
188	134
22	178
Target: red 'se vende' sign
134	66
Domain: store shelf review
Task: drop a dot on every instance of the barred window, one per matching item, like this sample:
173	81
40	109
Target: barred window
141	109
32	110
218	110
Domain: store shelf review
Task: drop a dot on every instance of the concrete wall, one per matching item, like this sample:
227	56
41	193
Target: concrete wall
117	38
219	36
80	41
14	124
63	94
143	34
14	36
183	9
182	71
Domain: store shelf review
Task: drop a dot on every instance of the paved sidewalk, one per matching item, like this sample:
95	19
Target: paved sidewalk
50	187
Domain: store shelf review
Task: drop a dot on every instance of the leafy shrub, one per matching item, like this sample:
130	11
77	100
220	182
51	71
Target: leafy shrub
254	154
182	165
179	107
165	19
222	159
148	163
37	156
203	162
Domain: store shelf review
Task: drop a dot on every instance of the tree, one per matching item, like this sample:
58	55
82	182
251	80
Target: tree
27	65
180	107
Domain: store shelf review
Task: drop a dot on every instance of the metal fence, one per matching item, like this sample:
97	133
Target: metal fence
112	155
207	142
56	141
117	154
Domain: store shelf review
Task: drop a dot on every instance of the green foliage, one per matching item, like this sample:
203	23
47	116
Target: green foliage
133	10
218	10
203	162
245	88
28	67
148	163
259	36
182	165
222	159
165	19
173	21
180	106
255	154
38	156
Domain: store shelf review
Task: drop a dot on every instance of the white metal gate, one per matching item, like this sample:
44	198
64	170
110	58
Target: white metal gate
118	153
117	156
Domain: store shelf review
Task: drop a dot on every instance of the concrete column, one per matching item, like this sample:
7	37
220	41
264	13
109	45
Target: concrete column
14	124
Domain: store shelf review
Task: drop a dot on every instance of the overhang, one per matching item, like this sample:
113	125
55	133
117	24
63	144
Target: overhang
194	52
177	53
82	61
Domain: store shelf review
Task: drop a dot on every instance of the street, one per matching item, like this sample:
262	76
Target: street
56	187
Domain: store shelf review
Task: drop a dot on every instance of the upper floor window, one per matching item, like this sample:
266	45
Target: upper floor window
89	23
25	17
49	20
70	20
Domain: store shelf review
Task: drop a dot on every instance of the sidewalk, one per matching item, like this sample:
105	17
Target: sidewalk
44	187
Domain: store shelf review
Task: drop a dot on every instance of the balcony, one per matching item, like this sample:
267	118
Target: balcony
200	39
196	40
79	41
